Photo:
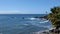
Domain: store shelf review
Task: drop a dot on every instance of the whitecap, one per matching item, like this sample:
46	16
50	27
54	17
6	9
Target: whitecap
32	18
44	21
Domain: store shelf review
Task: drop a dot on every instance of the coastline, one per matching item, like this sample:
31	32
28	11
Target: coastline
41	32
44	31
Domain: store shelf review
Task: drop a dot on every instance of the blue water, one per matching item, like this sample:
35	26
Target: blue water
22	23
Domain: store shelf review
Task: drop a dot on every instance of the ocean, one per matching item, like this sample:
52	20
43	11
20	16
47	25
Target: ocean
22	23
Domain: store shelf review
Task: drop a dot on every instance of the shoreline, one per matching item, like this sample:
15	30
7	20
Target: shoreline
44	31
41	32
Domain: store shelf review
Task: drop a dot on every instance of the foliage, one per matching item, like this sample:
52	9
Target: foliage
54	16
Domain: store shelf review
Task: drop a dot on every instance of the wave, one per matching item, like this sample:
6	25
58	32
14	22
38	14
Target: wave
26	24
33	19
44	21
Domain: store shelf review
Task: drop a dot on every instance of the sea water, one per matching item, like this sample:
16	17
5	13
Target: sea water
22	23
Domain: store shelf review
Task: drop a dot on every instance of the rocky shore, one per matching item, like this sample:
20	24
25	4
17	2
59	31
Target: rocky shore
45	17
50	31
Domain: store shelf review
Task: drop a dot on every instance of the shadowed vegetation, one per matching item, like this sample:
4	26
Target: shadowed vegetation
54	16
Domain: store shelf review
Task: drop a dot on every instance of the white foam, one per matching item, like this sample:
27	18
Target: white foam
44	21
32	18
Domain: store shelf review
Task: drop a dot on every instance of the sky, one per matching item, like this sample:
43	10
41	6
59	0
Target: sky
27	6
